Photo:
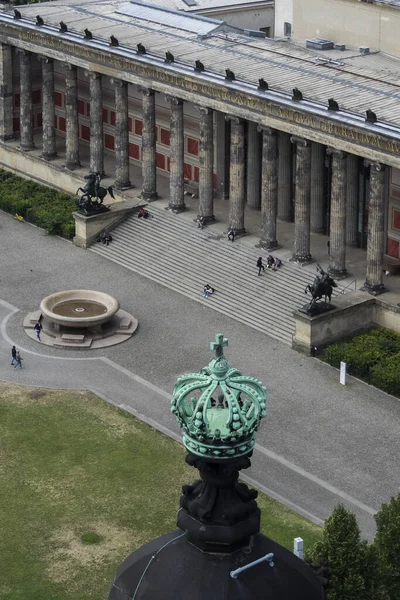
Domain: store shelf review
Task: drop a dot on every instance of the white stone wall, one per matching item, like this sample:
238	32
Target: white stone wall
283	14
247	18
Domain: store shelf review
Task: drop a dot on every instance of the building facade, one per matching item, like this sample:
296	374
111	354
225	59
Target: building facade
231	115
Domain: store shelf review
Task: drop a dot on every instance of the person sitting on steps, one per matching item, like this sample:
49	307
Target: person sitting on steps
208	290
277	263
270	261
143	213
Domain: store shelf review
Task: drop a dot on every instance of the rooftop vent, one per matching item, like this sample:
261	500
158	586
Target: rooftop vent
364	50
190	2
340	47
319	44
255	33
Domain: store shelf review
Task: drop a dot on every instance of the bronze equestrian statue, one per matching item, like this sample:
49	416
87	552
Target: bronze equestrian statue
322	287
93	194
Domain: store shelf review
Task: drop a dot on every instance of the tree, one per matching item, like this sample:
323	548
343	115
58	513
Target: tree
387	544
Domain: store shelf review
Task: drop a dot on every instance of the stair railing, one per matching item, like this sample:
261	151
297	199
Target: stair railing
354	281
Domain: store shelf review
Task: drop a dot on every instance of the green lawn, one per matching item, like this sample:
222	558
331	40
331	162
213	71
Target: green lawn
70	465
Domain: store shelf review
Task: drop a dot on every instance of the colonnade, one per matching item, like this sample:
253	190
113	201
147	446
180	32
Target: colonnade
272	192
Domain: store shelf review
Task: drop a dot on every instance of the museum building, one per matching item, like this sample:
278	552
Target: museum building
309	135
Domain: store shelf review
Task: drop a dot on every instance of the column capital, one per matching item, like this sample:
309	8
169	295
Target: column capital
335	152
267	130
146	91
23	52
118	82
300	141
69	67
45	59
234	120
92	75
174	101
378	167
204	110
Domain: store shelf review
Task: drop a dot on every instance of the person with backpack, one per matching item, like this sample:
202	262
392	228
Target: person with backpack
18	359
260	266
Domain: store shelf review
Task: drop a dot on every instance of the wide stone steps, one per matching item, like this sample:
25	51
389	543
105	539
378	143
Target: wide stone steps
172	251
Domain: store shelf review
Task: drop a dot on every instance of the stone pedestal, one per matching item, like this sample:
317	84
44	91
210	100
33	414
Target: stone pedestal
237	173
269	188
285	177
96	123
48	110
206	161
337	233
6	100
352	192
26	111
122	181
149	170
88	228
177	149
317	187
301	252
253	164
71	117
376	230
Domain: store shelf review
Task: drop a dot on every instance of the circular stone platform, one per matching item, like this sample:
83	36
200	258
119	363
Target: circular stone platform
119	328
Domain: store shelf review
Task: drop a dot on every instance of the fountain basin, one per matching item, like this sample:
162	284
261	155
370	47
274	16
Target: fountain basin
79	308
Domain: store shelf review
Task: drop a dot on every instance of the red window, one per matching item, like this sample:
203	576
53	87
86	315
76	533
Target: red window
16	124
112	117
214	181
81	107
17	100
196	173
61	124
134	151
36	97
88	109
105	115
109	141
58	98
39	120
393	248
85	132
130	124
168	164
187	171
160	160
165	137
193	147
138	127
396	219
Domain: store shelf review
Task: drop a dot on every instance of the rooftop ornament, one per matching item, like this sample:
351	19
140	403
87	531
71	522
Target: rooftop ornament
114	41
230	75
371	116
63	27
39	20
333	105
219	409
141	49
199	66
262	85
17	14
88	34
297	95
169	57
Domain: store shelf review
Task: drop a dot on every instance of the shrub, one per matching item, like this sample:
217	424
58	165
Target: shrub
90	538
38	204
386	374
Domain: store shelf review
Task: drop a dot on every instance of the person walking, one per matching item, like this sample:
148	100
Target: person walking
260	266
38	328
231	235
18	359
13	354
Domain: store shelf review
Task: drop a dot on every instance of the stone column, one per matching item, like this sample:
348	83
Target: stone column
96	123
49	151
269	188
26	110
71	117
122	181
285	177
149	170
376	230
337	231
301	252
253	166
206	162
6	105
352	195
317	187
237	173
177	149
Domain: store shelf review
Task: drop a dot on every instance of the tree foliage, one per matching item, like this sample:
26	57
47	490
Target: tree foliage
387	544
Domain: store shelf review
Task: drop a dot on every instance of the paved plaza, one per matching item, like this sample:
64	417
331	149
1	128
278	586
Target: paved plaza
321	443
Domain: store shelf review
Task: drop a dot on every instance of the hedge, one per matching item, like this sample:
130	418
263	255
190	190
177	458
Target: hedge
373	357
38	204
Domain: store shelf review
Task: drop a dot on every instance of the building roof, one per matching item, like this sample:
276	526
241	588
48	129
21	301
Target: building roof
356	82
204	5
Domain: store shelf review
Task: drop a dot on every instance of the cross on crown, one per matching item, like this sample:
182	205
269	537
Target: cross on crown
218	345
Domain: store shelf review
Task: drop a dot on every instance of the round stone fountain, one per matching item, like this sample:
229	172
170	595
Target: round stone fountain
81	319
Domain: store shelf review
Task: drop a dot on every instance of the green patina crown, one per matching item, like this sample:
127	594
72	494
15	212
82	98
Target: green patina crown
219	409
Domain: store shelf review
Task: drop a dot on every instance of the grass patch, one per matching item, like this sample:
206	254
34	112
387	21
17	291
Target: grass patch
73	470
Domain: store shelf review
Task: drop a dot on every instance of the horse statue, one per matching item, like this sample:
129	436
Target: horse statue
322	287
93	194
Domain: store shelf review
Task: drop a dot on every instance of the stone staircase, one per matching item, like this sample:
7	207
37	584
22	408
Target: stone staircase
172	251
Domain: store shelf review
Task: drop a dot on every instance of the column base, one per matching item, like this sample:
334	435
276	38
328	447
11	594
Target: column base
123	185
149	196
374	290
27	148
268	245
176	208
302	259
49	155
337	273
72	166
237	231
206	220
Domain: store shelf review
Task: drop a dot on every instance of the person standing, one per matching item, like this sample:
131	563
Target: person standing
13	354
231	235
260	266
38	329
18	359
